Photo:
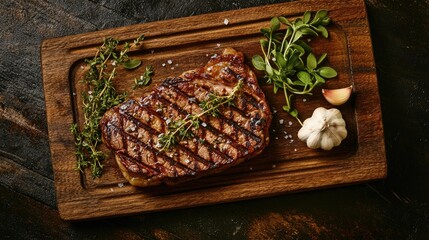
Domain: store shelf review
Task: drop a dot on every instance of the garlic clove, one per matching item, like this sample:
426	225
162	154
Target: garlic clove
337	96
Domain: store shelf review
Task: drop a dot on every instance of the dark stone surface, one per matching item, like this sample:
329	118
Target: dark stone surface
395	208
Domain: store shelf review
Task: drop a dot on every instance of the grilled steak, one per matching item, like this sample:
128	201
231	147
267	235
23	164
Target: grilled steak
240	131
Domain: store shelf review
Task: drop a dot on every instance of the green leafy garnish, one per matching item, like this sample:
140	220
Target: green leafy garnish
144	79
100	96
288	61
132	63
183	128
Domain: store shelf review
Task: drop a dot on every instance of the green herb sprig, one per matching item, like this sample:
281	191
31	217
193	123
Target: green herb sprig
144	79
100	96
288	61
182	129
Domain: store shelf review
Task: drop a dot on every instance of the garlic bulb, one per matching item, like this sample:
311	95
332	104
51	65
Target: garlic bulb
325	129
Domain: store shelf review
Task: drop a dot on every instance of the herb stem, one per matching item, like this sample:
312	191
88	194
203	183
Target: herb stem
288	69
183	128
99	97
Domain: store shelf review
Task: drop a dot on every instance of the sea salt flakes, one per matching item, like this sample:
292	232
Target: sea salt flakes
281	121
169	61
226	21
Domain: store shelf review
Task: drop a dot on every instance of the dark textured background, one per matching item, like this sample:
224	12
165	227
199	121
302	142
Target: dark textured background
395	208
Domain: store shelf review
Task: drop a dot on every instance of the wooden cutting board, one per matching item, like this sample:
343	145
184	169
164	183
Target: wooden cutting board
286	165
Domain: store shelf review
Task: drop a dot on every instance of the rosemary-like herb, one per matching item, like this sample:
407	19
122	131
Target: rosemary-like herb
101	96
182	129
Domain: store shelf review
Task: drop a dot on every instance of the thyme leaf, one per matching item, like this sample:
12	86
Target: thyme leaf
144	79
288	61
100	96
183	129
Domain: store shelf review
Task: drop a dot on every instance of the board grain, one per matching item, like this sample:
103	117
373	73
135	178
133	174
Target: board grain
286	165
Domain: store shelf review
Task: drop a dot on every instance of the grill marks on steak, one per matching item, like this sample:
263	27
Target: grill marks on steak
133	128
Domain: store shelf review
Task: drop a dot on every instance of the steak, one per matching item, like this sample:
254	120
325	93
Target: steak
239	131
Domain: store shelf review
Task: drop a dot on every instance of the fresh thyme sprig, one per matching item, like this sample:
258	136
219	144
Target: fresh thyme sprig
182	129
144	79
100	96
284	53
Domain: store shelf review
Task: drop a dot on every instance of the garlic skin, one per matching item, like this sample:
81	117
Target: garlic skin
337	96
325	129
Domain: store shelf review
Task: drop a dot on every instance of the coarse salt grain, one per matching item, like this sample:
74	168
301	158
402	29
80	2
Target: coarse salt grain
218	44
169	61
152	51
290	123
304	99
274	166
120	185
250	168
163	64
281	121
294	150
226	21
172	68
